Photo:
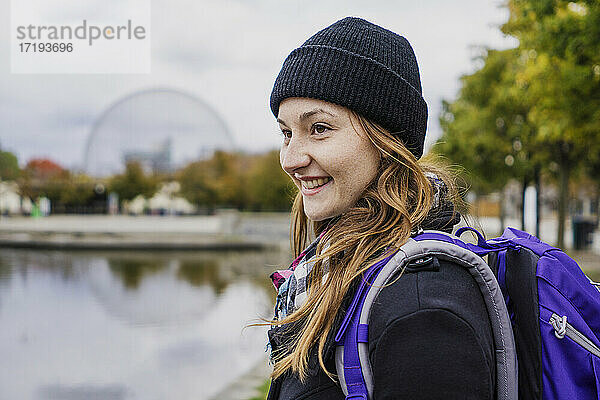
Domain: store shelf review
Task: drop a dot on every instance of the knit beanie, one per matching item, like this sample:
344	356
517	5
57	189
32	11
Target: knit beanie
364	67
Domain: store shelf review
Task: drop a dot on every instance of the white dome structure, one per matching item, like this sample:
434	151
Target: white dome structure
161	128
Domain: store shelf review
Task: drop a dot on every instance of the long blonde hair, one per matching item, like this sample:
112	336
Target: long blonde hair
397	201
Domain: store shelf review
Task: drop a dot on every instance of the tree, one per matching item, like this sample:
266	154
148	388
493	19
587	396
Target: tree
9	166
43	177
562	75
486	129
133	182
543	97
254	182
227	172
217	181
67	192
196	185
77	193
270	188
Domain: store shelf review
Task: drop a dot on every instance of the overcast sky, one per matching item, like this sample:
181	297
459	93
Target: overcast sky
228	53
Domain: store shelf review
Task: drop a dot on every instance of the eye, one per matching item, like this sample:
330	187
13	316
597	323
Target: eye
320	129
287	135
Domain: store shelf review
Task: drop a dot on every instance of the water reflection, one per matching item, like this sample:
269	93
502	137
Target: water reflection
135	325
131	271
202	273
62	392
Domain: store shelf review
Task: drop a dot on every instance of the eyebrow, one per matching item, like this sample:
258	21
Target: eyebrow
308	114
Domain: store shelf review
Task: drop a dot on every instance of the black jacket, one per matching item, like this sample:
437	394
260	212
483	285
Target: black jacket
429	338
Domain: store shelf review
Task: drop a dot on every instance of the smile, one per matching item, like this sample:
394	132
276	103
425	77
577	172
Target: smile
315	183
314	186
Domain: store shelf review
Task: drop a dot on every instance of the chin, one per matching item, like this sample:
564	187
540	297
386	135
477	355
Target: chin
320	215
314	218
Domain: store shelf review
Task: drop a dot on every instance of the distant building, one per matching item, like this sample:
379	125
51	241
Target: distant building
166	201
158	160
10	199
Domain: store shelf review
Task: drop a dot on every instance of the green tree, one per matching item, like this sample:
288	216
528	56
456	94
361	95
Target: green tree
533	105
254	182
77	192
196	185
217	181
486	128
227	175
133	182
9	166
270	187
562	76
472	137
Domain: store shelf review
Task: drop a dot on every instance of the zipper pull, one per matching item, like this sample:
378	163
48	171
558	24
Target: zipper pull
560	325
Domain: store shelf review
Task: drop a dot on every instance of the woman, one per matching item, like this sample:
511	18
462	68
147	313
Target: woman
353	120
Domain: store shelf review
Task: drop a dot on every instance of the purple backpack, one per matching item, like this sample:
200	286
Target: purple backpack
544	313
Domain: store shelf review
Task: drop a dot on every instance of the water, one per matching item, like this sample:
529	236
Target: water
130	325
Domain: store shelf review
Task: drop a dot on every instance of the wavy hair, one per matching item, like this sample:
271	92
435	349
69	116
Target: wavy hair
393	205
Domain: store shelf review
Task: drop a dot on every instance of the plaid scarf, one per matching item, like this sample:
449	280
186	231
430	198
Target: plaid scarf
291	283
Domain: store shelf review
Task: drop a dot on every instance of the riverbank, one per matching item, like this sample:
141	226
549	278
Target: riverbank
227	230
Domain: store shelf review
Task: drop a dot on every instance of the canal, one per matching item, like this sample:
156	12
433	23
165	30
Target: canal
130	325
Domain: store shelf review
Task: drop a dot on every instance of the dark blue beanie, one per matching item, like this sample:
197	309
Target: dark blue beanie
364	67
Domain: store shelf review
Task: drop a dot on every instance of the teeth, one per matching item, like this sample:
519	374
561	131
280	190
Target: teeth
315	182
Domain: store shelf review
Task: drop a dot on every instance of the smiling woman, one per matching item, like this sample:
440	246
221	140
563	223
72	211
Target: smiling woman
329	161
353	120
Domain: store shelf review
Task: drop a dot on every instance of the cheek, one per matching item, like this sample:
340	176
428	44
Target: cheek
341	158
370	160
357	165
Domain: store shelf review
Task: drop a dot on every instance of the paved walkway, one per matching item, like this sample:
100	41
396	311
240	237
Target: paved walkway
226	230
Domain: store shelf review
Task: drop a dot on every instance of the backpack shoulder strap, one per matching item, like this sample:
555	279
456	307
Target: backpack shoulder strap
352	356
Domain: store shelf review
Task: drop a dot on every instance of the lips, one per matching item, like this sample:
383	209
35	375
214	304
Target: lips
316	182
308	191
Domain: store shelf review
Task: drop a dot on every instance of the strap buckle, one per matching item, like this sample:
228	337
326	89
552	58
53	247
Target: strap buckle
357	396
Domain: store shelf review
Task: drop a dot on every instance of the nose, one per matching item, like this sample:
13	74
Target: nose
294	156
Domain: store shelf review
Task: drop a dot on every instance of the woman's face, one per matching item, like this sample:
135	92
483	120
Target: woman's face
329	160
